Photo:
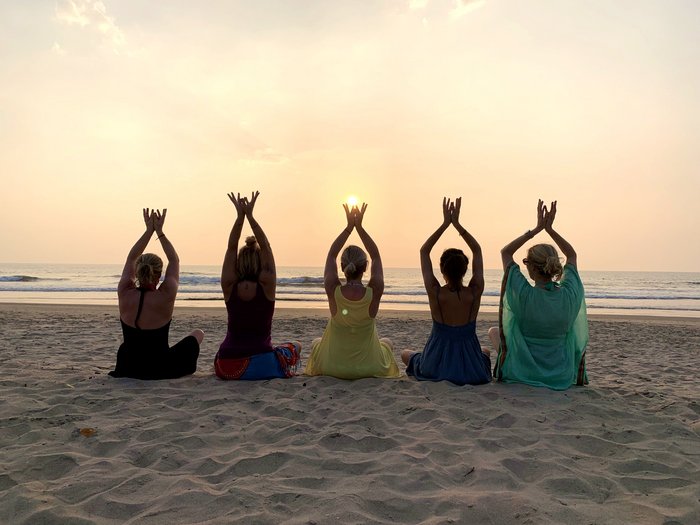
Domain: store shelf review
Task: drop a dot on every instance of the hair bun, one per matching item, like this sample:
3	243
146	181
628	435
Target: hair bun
251	241
552	266
350	268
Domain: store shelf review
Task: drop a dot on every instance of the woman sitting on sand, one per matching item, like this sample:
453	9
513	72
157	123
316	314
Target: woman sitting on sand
453	352
350	348
249	280
543	329
146	310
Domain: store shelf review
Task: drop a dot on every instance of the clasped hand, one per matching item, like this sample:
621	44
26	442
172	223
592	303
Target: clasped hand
545	217
354	216
450	211
154	220
244	207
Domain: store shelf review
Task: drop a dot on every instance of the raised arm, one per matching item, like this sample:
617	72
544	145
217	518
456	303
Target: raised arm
376	275
268	273
426	265
129	272
228	270
330	272
477	281
513	246
562	243
171	280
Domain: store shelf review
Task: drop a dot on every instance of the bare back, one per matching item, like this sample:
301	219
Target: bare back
157	307
455	307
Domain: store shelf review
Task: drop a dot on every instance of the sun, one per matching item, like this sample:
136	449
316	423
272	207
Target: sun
352	200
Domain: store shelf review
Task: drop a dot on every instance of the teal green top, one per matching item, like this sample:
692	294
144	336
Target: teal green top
544	331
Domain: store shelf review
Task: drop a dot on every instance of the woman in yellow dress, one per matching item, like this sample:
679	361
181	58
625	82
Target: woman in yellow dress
350	347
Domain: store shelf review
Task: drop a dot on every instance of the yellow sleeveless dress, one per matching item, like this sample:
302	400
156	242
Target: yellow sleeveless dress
350	347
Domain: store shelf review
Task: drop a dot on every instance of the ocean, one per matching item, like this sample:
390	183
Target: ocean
636	293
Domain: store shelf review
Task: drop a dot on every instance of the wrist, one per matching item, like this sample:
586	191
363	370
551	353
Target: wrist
348	230
160	234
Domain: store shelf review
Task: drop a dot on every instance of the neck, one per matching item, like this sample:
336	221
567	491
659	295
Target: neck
354	283
454	287
542	282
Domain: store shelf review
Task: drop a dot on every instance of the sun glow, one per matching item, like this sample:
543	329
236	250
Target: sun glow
352	201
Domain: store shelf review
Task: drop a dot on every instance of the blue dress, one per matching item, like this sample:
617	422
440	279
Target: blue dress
452	353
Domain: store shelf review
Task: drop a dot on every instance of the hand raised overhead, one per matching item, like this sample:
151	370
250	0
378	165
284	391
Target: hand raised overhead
456	207
251	203
159	220
541	213
447	207
248	205
358	215
148	219
549	216
236	200
350	217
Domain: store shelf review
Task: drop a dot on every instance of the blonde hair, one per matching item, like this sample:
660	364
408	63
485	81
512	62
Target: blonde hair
148	269
353	262
545	259
248	261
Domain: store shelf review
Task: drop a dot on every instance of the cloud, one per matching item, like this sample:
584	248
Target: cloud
91	15
56	48
265	155
462	7
417	4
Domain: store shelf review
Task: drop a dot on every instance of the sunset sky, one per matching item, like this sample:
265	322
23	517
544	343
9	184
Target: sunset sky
107	107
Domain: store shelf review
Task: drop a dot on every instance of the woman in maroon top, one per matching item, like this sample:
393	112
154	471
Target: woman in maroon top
248	280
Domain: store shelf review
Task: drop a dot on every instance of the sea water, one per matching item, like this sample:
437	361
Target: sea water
637	293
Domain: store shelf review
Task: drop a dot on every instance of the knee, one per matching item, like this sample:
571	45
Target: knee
406	356
198	335
386	341
493	332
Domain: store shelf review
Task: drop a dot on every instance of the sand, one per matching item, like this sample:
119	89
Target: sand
77	446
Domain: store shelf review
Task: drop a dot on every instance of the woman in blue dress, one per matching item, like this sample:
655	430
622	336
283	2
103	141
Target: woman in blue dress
453	352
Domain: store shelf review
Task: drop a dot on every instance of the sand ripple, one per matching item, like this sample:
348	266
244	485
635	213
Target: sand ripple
320	450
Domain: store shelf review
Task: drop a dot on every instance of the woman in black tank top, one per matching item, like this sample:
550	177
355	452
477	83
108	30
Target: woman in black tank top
145	353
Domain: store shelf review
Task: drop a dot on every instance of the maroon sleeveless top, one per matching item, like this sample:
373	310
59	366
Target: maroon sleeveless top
249	326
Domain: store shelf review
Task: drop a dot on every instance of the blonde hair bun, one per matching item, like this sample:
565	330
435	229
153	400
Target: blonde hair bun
552	266
248	260
353	261
148	269
545	258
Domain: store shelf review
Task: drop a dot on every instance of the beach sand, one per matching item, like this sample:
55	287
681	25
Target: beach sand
77	446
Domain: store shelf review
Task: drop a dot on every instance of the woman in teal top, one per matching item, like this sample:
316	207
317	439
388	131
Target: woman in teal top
543	329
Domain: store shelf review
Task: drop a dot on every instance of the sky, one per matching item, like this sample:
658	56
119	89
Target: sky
107	107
